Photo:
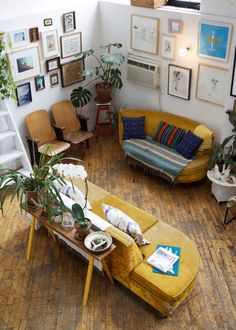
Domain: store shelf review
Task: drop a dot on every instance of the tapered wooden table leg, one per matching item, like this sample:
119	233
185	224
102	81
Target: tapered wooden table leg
31	237
88	280
107	271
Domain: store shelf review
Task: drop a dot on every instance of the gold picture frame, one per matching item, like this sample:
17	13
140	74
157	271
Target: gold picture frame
71	72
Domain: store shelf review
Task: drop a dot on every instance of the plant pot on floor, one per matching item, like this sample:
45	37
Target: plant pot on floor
81	232
103	92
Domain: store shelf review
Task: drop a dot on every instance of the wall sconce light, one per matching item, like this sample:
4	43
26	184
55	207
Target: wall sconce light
184	51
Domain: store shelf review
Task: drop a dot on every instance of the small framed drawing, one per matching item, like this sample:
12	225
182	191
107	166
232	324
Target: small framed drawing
39	83
214	40
69	22
53	64
47	22
168	47
71	44
233	83
211	86
24	63
18	38
179	81
71	72
23	94
144	34
34	34
175	26
50	43
54	79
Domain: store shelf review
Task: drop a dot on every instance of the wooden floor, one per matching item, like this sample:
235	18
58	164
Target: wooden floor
46	293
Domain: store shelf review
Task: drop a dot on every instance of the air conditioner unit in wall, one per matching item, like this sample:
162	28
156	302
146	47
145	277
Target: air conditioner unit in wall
143	71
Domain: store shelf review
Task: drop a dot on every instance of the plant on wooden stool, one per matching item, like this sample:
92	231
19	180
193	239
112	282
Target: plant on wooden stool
82	224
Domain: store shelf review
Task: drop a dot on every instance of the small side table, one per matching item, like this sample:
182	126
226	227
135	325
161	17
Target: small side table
221	190
103	126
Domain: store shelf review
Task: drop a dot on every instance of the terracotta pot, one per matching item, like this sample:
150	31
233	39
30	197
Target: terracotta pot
32	196
81	233
103	93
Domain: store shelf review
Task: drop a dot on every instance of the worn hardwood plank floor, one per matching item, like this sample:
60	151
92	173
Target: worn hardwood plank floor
46	293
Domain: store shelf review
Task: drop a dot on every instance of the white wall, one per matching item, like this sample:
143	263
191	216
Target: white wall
219	7
115	26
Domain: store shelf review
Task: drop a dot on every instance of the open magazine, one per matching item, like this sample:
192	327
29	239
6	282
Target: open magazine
162	259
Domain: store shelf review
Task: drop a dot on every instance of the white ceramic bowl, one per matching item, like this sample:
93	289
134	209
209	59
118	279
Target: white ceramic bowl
98	242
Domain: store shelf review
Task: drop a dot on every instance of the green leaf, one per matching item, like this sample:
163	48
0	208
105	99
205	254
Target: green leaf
115	78
80	97
112	59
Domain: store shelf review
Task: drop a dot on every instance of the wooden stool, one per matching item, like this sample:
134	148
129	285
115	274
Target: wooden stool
103	127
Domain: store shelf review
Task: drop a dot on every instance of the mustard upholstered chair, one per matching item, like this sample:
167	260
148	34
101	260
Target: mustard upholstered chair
74	129
42	135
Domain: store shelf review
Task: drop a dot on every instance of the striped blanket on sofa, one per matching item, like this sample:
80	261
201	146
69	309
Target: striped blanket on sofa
156	156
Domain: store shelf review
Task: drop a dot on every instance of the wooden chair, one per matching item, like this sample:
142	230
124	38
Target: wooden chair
42	137
73	129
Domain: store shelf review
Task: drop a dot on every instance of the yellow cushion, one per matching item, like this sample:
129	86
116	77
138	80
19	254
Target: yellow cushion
206	134
65	116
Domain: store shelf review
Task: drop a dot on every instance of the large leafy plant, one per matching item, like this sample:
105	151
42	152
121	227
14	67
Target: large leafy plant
106	71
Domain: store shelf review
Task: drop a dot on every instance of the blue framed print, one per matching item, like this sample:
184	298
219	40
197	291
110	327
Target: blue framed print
214	40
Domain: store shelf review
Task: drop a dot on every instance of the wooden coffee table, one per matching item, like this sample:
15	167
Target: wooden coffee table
69	235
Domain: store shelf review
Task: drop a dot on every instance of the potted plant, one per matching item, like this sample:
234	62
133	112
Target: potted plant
7	85
82	224
113	117
106	72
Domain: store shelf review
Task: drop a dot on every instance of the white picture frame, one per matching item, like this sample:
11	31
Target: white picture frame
144	34
179	81
168	47
71	44
19	38
50	43
24	63
211	86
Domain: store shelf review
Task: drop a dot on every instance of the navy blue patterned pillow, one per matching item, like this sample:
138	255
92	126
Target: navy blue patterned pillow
189	145
133	128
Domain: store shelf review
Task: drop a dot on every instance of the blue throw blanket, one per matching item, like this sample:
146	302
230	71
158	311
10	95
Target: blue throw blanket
156	155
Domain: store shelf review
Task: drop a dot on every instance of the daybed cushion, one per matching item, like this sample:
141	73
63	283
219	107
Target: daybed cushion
189	145
134	128
169	135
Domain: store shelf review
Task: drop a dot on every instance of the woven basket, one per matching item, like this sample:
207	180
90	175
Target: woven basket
149	3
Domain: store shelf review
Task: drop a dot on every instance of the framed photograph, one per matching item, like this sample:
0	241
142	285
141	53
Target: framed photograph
168	47
233	83
144	34
214	40
179	81
39	83
53	64
211	86
24	63
71	44
54	79
71	72
69	22
47	22
34	34
50	43
19	38
23	94
175	26
234	109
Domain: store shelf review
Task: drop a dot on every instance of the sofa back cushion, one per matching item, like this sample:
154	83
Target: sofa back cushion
189	145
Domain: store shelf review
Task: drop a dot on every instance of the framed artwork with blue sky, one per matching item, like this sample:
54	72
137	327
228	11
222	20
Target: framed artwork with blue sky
214	40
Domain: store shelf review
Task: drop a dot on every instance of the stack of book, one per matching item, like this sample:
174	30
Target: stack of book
165	260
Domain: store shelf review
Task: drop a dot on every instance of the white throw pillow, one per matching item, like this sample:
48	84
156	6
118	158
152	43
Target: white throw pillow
122	221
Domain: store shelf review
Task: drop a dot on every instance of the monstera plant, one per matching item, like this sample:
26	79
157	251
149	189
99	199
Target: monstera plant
106	73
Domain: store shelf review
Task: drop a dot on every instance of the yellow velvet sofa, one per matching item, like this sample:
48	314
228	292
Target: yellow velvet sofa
197	168
127	262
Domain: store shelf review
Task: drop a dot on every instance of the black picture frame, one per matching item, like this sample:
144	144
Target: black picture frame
176	80
23	94
39	83
47	21
69	23
34	34
53	64
233	82
71	72
52	77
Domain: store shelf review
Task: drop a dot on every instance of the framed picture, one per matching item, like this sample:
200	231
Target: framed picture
23	94
69	22
50	43
39	83
175	26
179	81
71	44
211	86
144	34
19	38
168	47
24	63
54	79
233	83
71	72
234	109
214	40
34	34
53	64
47	22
